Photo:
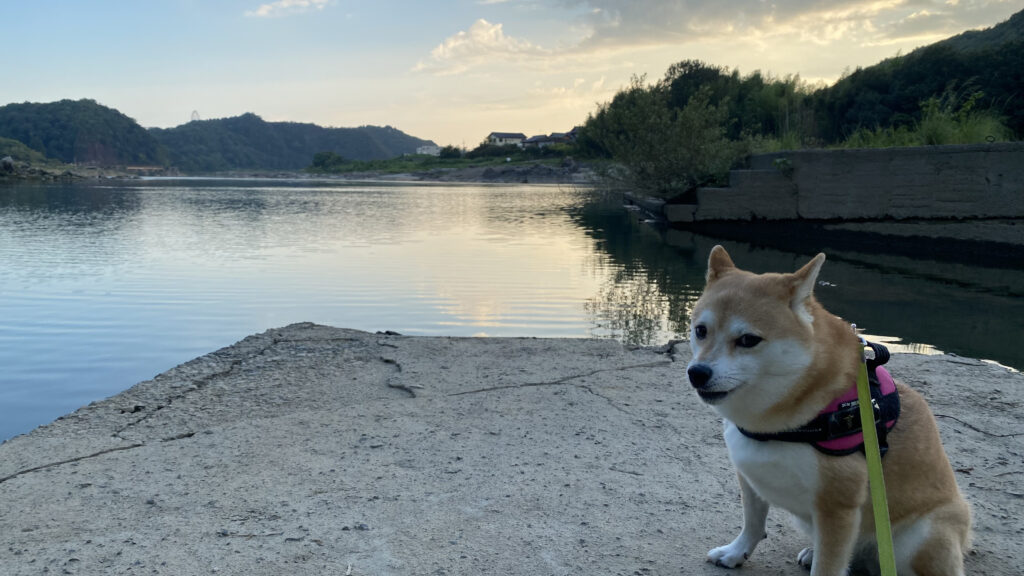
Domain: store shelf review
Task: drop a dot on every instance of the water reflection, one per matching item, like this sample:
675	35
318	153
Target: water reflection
919	305
104	285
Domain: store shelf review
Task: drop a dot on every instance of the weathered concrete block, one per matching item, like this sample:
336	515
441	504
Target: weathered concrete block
752	194
969	181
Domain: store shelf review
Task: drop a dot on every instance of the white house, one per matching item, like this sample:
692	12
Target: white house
503	138
429	150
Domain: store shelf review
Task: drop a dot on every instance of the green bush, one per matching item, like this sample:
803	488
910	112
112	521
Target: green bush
952	118
327	161
449	152
486	150
665	151
20	152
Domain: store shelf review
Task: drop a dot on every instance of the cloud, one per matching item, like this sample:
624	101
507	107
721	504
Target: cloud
282	7
483	44
621	23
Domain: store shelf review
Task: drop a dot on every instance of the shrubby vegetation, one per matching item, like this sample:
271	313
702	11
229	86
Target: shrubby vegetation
664	149
327	161
19	152
891	94
686	129
450	157
449	152
949	119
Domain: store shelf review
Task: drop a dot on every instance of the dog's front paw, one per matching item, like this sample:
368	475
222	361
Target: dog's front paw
805	557
731	556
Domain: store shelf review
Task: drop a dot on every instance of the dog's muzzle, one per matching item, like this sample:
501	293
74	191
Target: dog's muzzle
700	376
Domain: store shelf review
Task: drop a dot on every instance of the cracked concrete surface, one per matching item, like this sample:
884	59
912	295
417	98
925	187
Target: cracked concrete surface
318	450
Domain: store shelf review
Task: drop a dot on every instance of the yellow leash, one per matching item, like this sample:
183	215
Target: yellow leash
883	529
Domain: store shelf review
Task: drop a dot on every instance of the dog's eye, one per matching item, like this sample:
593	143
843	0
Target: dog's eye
748	341
700	331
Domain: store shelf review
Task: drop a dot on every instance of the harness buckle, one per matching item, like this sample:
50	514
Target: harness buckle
846	420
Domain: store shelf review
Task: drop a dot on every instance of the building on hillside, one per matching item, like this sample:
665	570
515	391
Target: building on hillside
505	138
535	141
543	141
429	150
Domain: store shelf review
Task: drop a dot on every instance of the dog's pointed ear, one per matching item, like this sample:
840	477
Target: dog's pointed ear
719	263
803	285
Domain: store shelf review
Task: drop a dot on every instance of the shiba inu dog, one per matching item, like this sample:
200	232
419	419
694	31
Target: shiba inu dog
769	358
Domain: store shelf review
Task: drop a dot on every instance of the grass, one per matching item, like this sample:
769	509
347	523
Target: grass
949	119
952	118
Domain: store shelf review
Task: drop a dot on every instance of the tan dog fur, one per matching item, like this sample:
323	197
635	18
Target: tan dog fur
802	358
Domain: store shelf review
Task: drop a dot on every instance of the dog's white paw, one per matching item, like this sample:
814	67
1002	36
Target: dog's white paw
730	556
805	557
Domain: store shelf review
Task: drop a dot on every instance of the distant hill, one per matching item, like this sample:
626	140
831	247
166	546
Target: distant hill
83	131
249	142
891	92
1012	30
80	131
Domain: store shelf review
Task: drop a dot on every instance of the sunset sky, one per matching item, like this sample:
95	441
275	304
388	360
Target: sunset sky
449	71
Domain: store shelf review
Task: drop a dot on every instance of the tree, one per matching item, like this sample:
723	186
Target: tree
327	161
665	151
450	152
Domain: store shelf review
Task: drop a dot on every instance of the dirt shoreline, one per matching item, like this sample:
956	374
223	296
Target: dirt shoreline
316	450
519	172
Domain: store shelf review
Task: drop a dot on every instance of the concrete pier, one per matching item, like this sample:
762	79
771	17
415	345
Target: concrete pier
318	450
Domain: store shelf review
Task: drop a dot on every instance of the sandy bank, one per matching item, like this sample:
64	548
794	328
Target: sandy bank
316	450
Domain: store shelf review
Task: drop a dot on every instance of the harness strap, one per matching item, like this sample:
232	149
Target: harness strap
881	356
845	420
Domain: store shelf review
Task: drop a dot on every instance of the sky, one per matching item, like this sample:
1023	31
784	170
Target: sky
449	71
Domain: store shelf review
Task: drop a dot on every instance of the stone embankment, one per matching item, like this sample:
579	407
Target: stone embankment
959	202
317	450
981	181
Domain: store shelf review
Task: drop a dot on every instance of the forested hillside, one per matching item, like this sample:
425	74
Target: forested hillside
248	142
85	132
891	93
80	131
687	128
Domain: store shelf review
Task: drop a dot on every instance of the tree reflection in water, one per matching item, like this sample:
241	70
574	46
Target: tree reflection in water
917	305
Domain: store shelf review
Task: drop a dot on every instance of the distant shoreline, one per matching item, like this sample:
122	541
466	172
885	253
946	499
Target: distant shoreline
515	173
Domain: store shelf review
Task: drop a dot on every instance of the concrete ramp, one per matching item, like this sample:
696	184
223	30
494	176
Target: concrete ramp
318	450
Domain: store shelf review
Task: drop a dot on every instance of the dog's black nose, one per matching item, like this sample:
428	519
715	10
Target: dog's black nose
699	375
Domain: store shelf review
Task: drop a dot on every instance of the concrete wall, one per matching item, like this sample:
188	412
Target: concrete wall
971	181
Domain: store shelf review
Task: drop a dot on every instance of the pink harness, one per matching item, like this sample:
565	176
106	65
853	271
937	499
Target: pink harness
836	430
849	407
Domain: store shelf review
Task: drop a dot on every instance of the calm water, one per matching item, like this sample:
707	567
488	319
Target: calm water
102	286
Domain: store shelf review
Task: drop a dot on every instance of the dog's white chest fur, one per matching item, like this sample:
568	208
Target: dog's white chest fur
785	474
